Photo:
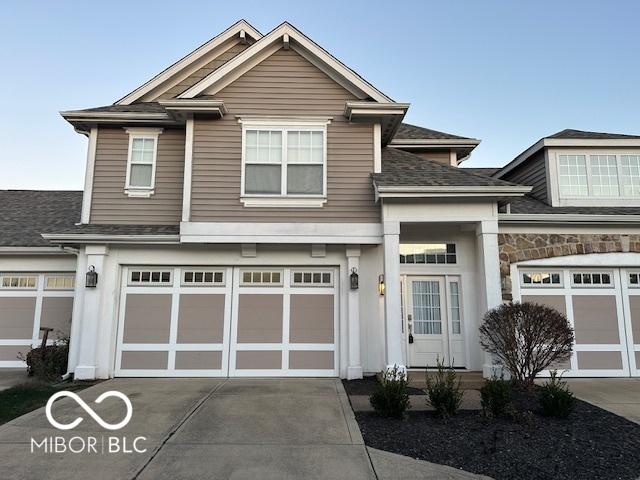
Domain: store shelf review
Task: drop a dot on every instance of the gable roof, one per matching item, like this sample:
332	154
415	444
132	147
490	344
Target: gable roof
578	134
25	214
404	172
406	131
486	171
572	138
286	36
184	62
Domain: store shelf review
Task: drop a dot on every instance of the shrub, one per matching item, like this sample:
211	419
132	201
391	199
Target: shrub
527	338
495	397
48	363
443	390
555	398
391	398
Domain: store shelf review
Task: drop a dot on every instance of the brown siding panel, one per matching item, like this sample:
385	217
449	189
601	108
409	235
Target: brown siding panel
532	173
110	204
284	84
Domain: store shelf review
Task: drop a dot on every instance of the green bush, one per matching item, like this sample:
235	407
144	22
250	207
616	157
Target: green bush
391	398
495	397
48	363
555	398
443	390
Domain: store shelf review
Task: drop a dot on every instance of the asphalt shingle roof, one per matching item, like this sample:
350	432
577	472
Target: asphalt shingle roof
530	205
145	107
581	134
25	214
95	229
400	168
406	131
486	171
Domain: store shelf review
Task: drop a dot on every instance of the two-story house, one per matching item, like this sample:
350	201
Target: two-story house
260	209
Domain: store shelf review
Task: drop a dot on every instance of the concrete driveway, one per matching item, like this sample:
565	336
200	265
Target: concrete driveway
207	428
618	395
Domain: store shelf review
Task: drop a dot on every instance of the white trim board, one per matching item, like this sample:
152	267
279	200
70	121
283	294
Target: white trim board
235	29
88	175
221	77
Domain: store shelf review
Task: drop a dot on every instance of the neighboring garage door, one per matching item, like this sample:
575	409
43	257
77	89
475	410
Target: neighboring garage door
207	321
602	305
29	301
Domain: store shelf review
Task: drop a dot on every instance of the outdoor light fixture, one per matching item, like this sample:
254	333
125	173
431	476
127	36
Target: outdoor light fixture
92	278
381	284
354	278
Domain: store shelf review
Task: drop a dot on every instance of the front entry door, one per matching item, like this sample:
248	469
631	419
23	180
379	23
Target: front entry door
434	323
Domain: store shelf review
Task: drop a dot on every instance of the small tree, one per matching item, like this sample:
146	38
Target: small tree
527	337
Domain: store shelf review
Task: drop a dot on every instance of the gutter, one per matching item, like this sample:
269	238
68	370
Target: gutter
456	191
527	218
33	251
97	238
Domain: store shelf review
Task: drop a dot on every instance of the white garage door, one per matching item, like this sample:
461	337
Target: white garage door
29	301
197	321
602	305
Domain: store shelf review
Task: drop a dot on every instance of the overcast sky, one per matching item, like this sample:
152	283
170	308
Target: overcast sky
505	72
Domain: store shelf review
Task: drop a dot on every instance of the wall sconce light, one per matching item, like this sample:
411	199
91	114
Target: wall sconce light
354	278
381	284
92	278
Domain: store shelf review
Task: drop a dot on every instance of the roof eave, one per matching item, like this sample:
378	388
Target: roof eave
449	192
84	238
564	218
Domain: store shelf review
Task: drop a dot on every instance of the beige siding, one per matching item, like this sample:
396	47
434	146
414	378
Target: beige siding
195	77
284	84
110	204
532	173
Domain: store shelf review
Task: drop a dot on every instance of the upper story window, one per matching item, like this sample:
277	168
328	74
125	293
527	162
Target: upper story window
284	165
603	176
141	161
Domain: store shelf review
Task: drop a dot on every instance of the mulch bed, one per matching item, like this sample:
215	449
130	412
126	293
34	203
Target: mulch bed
591	444
367	385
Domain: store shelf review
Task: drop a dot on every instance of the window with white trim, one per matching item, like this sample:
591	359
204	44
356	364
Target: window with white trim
284	162
428	253
573	176
149	277
261	277
141	161
22	282
630	169
202	278
59	282
314	278
541	279
604	175
591	279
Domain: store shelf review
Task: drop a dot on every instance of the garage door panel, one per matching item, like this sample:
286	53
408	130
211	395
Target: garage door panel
260	318
259	360
16	317
599	360
145	360
311	360
634	307
201	318
56	314
9	353
311	319
595	319
209	360
554	301
147	318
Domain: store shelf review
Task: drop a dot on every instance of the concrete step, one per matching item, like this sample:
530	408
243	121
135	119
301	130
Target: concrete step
469	380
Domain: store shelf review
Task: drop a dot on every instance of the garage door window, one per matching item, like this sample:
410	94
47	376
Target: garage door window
272	278
22	282
59	282
591	279
541	279
202	278
634	279
149	277
312	278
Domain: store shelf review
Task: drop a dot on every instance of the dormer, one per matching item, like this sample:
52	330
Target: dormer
574	168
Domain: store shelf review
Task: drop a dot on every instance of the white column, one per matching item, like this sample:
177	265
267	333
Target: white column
76	316
90	317
354	369
489	276
392	310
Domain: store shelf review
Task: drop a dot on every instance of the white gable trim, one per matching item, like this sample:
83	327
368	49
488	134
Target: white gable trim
272	42
234	30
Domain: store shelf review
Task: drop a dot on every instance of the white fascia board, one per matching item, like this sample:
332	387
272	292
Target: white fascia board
563	218
354	109
94	238
442	191
444	142
239	232
185	61
34	251
269	40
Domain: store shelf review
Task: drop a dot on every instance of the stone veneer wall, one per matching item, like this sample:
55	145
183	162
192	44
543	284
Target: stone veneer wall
518	247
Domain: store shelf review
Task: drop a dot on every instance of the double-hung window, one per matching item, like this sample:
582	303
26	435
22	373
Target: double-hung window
284	165
141	161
